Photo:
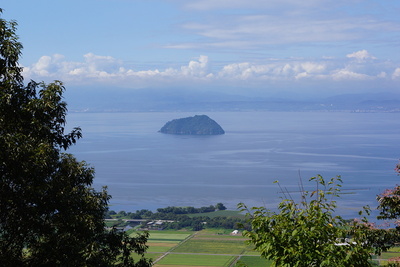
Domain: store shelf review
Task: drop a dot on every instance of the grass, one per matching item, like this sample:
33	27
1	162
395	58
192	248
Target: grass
228	237
216	231
163	241
164	236
388	255
212	242
252	253
199	250
195	260
212	246
253	261
160	247
156	237
218	213
178	232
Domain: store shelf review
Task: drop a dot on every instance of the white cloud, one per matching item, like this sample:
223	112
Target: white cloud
396	74
106	70
312	67
46	65
272	70
42	65
96	69
382	74
94	66
196	68
361	55
302	75
240	70
344	74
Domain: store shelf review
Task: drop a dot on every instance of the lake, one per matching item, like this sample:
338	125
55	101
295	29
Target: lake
145	169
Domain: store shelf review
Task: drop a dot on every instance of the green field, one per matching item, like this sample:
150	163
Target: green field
205	248
168	236
160	242
195	260
391	254
211	247
254	261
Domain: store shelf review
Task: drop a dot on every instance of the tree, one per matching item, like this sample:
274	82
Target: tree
389	209
389	201
49	213
307	233
220	206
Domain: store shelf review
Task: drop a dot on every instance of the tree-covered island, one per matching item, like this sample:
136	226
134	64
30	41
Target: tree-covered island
197	125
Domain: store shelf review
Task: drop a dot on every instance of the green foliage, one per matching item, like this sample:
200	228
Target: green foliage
307	233
389	203
220	206
389	209
219	213
49	213
186	210
210	245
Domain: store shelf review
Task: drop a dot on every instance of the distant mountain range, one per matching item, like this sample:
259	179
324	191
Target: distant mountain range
124	100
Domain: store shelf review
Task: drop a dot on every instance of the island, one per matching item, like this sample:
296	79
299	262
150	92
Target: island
197	125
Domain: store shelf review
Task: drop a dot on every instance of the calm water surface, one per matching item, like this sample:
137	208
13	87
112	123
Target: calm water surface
146	169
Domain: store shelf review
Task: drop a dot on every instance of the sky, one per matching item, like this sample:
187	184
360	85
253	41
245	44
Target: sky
317	47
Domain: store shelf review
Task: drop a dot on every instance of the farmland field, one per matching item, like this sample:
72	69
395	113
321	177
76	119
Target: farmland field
254	261
212	248
168	236
393	253
205	248
161	242
196	260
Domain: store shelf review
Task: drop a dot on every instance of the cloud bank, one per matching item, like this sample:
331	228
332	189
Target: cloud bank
95	70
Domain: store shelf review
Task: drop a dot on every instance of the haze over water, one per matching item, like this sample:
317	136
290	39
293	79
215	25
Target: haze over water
145	169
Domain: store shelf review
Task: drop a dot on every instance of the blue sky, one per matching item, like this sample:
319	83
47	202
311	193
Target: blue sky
311	46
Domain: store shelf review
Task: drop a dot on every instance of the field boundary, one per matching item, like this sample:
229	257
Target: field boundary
173	248
180	250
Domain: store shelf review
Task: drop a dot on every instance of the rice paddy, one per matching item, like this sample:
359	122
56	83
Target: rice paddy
212	248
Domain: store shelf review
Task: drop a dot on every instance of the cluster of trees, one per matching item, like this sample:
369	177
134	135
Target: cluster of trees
191	210
163	213
49	213
139	214
178	222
